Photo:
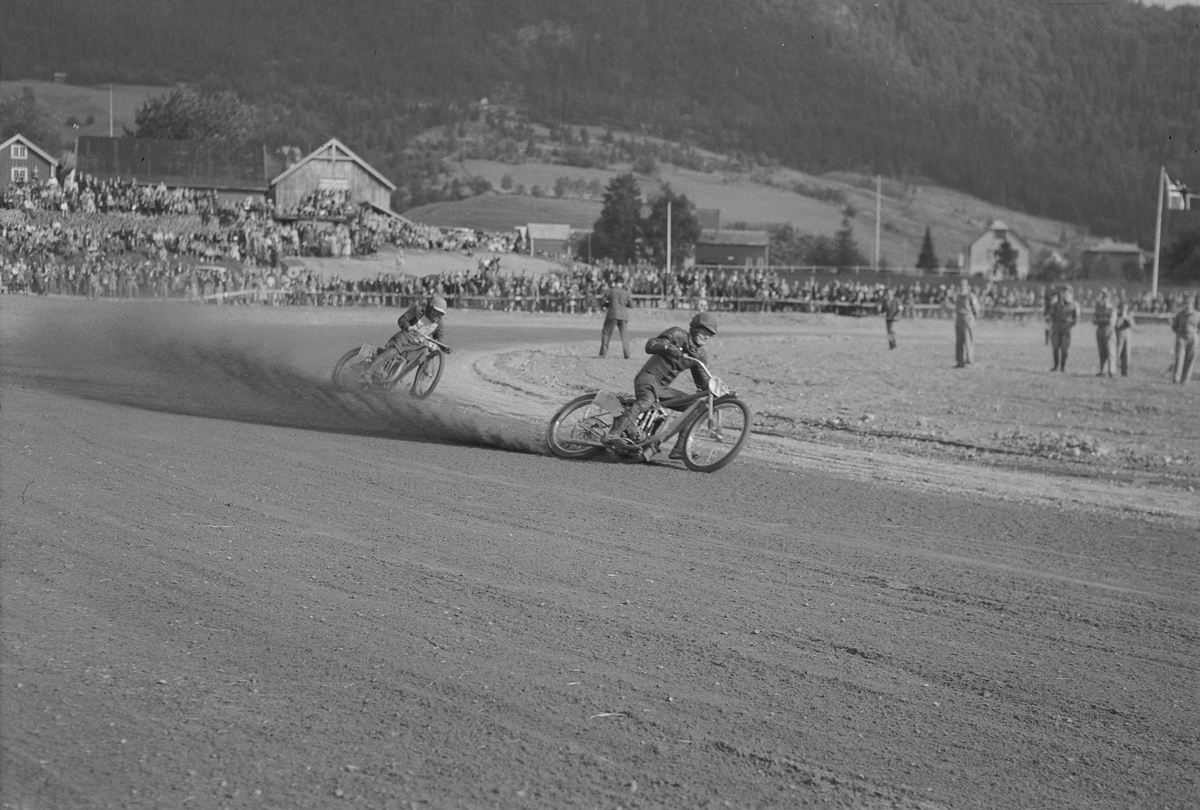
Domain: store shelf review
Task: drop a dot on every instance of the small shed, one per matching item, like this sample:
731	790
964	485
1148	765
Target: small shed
997	254
21	161
332	167
233	171
1113	260
548	239
717	247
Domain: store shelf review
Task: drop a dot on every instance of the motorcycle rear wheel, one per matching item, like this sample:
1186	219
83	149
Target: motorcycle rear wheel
351	371
712	442
580	418
385	370
428	374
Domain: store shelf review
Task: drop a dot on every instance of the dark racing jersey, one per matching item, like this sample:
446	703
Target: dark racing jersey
663	367
415	318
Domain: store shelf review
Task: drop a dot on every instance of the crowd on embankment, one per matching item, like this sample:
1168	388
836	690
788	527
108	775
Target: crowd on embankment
120	239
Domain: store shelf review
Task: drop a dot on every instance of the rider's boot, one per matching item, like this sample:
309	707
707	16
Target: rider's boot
623	428
679	451
380	362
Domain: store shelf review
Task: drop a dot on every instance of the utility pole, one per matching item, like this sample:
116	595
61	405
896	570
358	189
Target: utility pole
878	213
668	236
1162	182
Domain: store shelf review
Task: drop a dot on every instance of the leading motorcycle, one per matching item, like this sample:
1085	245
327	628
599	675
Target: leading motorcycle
714	422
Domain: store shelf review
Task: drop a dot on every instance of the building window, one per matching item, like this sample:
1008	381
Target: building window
19	151
20	174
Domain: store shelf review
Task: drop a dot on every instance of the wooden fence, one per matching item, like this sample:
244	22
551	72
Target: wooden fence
589	303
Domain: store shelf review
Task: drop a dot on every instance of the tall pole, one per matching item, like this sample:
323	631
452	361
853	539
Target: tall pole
1162	184
668	236
878	211
110	111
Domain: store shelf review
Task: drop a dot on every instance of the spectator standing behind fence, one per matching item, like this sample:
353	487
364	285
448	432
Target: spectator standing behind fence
1063	317
1051	298
966	310
1105	319
1122	329
892	308
1185	324
617	302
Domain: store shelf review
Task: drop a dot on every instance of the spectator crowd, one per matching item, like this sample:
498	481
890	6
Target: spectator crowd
115	238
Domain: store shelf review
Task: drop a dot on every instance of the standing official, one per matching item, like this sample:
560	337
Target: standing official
1122	329
1185	324
1105	319
617	302
891	308
966	310
1063	317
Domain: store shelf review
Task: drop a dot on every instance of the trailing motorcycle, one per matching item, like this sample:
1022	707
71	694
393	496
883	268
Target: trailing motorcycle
714	422
370	367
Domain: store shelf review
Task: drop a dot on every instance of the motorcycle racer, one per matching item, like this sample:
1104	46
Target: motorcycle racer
424	319
671	353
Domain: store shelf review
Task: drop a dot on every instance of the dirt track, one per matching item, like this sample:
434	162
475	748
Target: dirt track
226	584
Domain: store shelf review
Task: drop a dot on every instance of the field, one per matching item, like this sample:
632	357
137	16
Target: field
225	583
64	101
759	200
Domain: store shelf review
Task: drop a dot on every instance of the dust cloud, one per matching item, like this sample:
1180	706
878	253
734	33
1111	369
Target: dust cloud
199	362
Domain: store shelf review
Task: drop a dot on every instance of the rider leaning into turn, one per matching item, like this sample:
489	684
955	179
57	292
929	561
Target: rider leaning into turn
424	319
671	353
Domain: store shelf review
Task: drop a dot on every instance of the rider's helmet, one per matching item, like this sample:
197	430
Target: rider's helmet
704	321
436	306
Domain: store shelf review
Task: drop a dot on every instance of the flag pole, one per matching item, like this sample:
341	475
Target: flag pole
1162	183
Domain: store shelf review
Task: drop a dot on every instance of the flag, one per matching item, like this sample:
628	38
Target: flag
1178	198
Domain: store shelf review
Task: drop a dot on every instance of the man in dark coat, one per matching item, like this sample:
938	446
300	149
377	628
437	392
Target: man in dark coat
617	302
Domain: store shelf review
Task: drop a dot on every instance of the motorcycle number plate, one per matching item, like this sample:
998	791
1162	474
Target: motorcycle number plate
608	401
366	351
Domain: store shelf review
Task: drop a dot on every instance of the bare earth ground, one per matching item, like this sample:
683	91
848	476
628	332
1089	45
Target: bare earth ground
224	583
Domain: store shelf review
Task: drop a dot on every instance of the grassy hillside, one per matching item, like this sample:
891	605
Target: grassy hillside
758	200
62	102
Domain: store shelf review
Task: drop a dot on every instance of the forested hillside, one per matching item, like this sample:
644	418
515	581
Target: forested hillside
1064	110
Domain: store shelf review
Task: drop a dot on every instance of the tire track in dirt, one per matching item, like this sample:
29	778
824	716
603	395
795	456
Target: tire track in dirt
169	358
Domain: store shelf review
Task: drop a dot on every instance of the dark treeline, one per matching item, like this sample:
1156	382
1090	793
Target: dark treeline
1060	109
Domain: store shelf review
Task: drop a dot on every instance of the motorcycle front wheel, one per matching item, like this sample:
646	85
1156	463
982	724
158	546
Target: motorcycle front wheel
713	441
351	370
428	375
582	419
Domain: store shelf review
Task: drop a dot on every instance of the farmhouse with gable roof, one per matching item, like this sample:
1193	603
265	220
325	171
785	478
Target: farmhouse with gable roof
989	257
21	161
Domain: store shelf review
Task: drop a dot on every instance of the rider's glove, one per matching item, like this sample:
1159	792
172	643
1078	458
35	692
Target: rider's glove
446	350
673	351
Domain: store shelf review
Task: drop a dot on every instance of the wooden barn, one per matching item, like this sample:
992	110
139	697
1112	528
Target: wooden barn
234	171
21	161
985	256
722	248
546	239
332	167
1113	260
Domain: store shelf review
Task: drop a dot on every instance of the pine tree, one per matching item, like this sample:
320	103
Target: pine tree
619	229
927	262
845	250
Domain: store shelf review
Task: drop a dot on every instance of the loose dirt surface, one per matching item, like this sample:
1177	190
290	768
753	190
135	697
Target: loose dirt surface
227	584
